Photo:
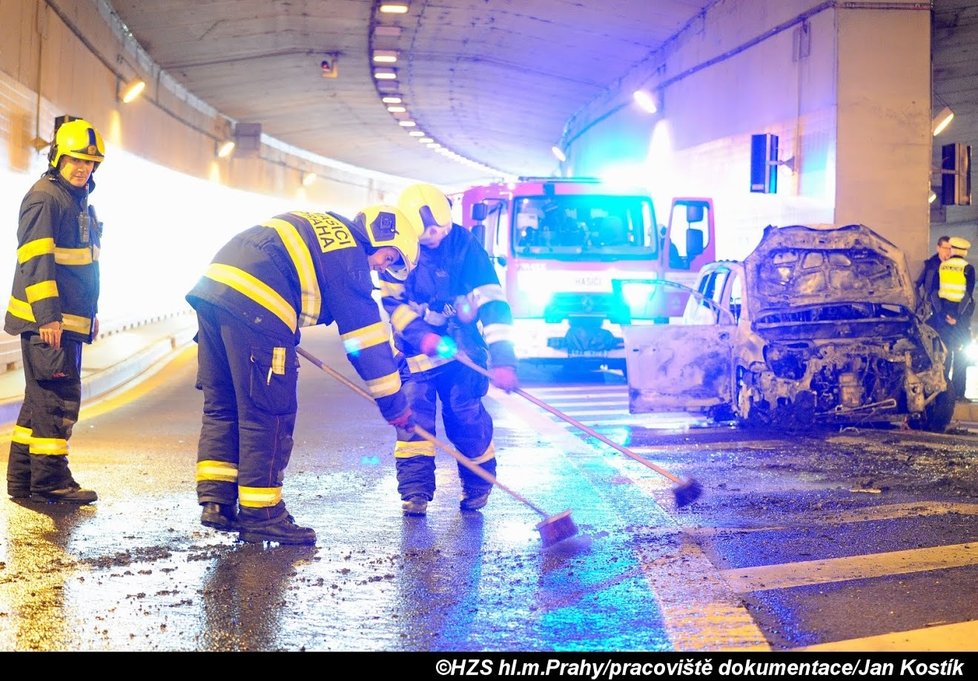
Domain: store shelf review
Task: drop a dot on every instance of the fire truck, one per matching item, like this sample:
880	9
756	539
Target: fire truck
577	258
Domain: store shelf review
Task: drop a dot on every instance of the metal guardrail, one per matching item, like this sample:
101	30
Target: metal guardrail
10	355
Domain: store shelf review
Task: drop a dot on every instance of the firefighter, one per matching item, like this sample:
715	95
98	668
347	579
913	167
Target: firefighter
454	293
956	286
52	308
296	269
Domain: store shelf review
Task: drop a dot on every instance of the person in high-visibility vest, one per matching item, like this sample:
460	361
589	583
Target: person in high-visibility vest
956	287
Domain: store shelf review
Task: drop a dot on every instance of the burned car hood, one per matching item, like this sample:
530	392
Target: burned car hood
797	271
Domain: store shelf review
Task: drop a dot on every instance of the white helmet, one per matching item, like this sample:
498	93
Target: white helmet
382	225
429	208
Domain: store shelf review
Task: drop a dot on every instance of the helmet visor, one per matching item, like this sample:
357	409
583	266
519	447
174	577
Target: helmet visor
399	269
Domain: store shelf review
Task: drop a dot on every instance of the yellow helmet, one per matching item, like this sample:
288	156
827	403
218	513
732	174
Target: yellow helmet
382	225
426	205
78	139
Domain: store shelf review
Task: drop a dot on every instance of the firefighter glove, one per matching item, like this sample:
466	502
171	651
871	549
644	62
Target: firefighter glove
504	378
434	345
405	421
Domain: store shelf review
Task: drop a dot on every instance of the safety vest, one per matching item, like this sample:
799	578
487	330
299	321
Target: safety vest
952	280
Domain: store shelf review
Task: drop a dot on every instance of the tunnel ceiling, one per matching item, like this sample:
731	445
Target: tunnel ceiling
492	80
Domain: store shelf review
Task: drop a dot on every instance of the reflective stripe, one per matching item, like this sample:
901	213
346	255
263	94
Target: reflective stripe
278	361
305	269
409	450
32	249
21	435
494	333
481	295
385	385
20	309
42	290
390	289
76	323
73	256
402	316
252	287
358	340
49	446
421	363
259	497
221	471
487	455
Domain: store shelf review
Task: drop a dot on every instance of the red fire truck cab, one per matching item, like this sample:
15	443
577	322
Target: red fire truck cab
578	258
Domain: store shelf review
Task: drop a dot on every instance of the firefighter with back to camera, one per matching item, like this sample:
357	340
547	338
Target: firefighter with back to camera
53	305
297	269
454	293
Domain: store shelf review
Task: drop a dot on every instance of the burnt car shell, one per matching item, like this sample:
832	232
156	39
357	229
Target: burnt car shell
841	341
816	325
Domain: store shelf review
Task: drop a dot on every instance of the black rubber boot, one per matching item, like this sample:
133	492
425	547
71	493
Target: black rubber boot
282	530
223	517
73	493
474	499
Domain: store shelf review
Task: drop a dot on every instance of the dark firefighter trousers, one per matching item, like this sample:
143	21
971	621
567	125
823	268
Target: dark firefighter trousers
249	414
468	427
38	459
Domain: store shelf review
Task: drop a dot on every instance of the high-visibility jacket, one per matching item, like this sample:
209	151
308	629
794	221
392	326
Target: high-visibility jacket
302	269
453	291
57	276
953	284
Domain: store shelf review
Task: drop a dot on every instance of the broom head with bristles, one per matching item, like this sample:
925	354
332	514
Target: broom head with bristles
556	528
687	493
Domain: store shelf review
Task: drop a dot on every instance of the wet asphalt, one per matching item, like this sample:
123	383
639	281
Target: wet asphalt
137	572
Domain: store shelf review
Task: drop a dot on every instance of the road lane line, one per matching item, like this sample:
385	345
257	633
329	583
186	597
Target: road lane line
809	572
958	637
867	514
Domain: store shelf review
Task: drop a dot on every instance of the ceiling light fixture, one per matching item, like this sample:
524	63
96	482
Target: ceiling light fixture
558	153
396	108
225	149
308	179
385	56
416	133
406	124
645	100
385	74
941	120
132	91
387	31
391	99
425	140
393	8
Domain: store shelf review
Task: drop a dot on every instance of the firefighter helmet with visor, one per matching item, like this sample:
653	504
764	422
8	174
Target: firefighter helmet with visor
78	139
382	225
430	209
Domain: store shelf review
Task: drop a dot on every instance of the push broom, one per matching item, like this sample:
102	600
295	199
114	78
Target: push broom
552	529
686	491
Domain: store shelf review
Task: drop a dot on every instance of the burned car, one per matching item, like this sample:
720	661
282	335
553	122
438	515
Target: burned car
816	326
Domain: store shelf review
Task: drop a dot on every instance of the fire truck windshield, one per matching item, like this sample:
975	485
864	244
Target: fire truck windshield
584	227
